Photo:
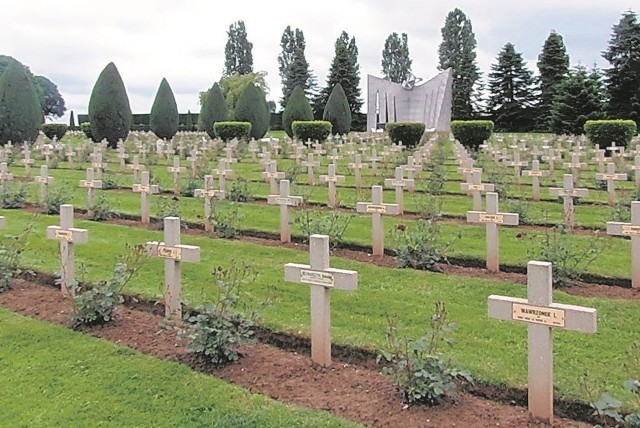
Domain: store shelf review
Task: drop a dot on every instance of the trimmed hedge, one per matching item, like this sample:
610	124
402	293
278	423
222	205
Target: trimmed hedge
86	128
54	130
109	110
230	130
312	130
604	132
409	133
472	133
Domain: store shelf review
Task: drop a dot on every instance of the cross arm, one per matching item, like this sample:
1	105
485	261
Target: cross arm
292	201
329	278
77	236
622	229
506	219
367	208
182	253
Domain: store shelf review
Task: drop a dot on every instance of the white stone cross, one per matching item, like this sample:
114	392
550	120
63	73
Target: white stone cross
208	194
310	164
145	189
123	156
399	182
377	208
318	150
541	315
223	174
413	169
331	178
374	159
91	184
173	254
229	159
517	164
600	159
272	176
176	169
322	280
636	170
611	178
44	180
136	167
27	161
551	158
476	187
575	165
68	237
492	218
285	200
466	169
334	157
568	192
98	165
632	230
535	173
5	175
358	166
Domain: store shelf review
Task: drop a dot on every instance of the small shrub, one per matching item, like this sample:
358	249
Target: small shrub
86	128
168	206
226	221
313	130
604	132
409	133
52	130
110	182
101	209
13	197
238	191
95	304
11	250
418	246
55	197
418	367
227	131
321	222
522	207
217	329
472	133
189	189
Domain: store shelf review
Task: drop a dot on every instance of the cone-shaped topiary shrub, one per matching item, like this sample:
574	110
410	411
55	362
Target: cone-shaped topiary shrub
252	107
20	111
298	108
163	119
54	130
109	110
214	109
337	110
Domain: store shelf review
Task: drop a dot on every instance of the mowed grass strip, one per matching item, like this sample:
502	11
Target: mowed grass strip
494	351
52	376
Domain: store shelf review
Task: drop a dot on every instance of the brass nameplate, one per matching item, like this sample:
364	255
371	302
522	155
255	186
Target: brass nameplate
172	253
331	179
467	170
271	174
479	187
492	218
381	209
286	201
97	165
538	315
42	180
316	278
535	173
64	235
397	183
142	188
174	169
88	184
630	230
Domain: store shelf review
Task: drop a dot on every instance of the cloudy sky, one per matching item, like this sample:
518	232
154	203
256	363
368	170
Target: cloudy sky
71	41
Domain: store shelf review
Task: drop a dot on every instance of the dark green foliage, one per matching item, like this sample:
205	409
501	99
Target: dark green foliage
12	249
189	121
419	246
345	71
293	65
457	51
298	108
623	78
214	109
86	128
313	130
54	130
238	58
229	130
337	111
163	119
472	133
579	98
51	101
252	107
233	86
553	64
511	92
20	112
604	132
396	62
409	133
72	121
109	110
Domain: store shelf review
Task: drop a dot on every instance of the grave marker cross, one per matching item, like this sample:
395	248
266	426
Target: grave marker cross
176	169
272	175
44	180
145	189
475	187
223	173
611	178
331	178
377	208
633	230
541	315
322	279
399	182
310	164
285	200
209	194
5	176
358	166
535	173
568	192
91	185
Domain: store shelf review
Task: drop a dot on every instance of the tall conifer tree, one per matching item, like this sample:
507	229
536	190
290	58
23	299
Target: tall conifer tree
164	116
293	65
396	62
238	58
457	51
553	65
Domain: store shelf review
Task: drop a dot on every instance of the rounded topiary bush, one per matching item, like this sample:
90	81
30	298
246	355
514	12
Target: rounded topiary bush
472	133
20	112
214	109
109	110
56	130
86	128
313	130
229	130
163	119
604	132
409	133
298	108
337	110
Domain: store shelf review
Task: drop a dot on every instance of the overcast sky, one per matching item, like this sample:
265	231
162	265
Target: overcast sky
71	41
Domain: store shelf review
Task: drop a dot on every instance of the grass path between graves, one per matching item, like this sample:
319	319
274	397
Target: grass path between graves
52	376
494	351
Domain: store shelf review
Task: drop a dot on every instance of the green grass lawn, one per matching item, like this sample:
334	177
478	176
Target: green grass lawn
54	377
494	351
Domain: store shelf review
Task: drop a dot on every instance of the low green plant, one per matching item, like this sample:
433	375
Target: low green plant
216	329
13	197
168	206
110	181
95	303
189	189
418	246
418	367
56	196
238	191
52	130
11	251
226	221
570	259
322	222
429	206
519	206
100	209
